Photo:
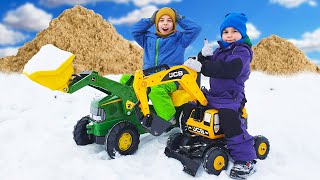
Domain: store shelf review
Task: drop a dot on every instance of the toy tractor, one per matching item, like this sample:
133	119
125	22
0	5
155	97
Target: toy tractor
115	120
202	141
112	121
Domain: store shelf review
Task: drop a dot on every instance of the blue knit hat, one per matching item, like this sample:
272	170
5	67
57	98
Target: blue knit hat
235	20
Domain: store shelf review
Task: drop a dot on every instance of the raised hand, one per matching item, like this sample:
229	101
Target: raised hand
153	17
207	49
178	16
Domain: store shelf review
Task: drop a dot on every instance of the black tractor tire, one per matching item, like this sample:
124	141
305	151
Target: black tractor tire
80	135
262	147
174	141
215	160
122	138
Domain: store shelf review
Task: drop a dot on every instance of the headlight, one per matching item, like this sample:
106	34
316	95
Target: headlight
97	114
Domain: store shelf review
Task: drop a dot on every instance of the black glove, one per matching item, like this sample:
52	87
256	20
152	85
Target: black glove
153	17
178	16
202	58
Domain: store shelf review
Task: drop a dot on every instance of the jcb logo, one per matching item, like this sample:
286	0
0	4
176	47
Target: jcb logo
198	130
175	74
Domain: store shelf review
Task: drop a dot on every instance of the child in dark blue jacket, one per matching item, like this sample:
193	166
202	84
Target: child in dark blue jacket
228	68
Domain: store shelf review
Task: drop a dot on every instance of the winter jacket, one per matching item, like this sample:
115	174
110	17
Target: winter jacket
169	50
228	69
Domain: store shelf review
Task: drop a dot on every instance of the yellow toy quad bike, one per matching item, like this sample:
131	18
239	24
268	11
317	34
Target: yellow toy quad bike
202	141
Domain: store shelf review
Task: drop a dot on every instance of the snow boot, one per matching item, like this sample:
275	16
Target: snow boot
173	121
241	169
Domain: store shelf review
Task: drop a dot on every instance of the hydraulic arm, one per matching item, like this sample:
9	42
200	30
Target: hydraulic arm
108	86
186	77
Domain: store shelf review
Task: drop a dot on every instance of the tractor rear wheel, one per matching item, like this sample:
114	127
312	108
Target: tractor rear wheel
122	138
80	135
215	160
262	146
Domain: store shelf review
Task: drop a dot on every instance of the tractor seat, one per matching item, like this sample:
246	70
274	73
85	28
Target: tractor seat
180	97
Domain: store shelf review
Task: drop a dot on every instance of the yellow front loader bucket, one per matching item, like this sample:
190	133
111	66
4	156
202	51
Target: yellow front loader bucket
51	67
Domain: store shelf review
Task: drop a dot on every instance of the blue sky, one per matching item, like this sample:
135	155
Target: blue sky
295	20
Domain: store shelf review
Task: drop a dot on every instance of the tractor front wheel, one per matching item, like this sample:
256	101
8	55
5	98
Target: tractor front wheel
215	160
123	138
80	135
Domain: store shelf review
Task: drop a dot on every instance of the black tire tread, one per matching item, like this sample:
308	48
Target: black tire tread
112	138
209	157
257	141
80	135
174	141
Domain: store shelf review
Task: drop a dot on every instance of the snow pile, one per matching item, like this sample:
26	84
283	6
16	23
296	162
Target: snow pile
48	58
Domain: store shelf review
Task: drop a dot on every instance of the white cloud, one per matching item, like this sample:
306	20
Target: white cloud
309	42
294	3
28	17
9	51
158	2
252	31
10	37
140	3
134	16
54	3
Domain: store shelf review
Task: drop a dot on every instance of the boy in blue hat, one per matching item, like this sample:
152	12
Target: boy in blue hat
165	46
228	68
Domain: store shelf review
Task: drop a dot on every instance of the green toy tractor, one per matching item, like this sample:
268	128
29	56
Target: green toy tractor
118	119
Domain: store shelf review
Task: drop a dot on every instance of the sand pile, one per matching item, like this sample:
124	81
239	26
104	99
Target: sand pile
277	56
95	43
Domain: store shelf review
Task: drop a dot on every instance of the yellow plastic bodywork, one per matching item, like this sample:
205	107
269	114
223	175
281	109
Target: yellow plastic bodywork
125	141
262	149
187	81
180	97
57	79
244	113
200	128
219	163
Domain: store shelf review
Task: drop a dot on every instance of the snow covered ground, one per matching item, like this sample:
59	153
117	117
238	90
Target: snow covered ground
36	127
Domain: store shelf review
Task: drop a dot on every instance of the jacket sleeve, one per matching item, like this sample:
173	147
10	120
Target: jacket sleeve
191	31
140	29
230	68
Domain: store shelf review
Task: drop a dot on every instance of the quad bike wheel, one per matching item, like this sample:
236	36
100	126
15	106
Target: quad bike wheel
123	138
215	160
80	135
174	140
262	146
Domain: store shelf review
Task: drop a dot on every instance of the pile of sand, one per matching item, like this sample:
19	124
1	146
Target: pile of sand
95	43
277	56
